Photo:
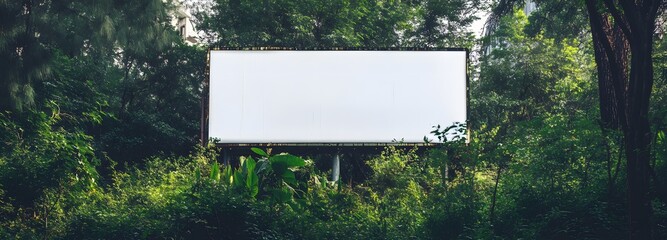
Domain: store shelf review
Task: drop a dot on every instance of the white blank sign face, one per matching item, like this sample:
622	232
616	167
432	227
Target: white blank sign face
334	96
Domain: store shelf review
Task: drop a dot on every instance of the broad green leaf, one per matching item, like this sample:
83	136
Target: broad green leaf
288	160
259	152
250	165
215	172
279	167
242	163
252	183
263	165
238	179
227	174
288	177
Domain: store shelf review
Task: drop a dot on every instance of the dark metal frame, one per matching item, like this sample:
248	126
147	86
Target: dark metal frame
204	124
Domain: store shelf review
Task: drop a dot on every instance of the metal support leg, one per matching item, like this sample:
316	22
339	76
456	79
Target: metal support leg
226	157
335	168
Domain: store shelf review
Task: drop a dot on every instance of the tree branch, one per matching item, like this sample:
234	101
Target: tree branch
619	18
596	22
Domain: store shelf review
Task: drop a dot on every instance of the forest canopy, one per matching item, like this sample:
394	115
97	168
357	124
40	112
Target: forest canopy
100	107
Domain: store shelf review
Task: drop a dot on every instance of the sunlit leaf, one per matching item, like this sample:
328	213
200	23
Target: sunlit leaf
215	172
259	152
288	160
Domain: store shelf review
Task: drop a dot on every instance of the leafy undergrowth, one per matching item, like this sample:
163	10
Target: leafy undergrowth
285	197
265	197
51	190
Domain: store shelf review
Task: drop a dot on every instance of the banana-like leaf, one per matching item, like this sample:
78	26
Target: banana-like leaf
215	172
288	160
250	165
227	174
252	184
239	180
259	152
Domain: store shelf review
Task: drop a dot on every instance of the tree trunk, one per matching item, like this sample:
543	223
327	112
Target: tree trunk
127	64
639	203
638	136
611	56
493	198
636	21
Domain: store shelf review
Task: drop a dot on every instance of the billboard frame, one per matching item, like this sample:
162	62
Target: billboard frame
205	100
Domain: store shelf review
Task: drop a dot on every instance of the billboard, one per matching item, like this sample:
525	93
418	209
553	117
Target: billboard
313	97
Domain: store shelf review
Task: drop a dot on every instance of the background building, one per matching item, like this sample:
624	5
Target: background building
182	20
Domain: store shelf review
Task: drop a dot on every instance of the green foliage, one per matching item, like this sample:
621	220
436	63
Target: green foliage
169	198
399	188
559	20
33	31
526	76
95	59
156	106
340	23
104	85
276	171
39	155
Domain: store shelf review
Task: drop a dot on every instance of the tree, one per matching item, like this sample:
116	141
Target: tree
162	101
531	102
32	30
622	30
634	24
340	23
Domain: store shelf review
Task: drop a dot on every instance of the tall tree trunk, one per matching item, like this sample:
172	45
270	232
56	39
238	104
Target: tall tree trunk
636	21
493	198
639	203
611	57
638	136
127	64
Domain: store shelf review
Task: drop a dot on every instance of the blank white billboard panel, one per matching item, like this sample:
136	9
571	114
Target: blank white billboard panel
334	96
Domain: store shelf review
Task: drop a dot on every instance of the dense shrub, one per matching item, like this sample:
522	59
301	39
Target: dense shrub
50	189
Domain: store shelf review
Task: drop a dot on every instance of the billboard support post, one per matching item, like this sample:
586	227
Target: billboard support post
226	157
335	168
203	123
